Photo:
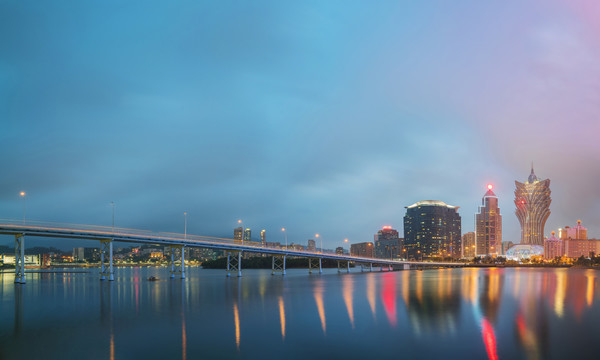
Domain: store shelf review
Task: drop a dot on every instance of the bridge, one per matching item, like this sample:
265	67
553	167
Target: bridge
106	235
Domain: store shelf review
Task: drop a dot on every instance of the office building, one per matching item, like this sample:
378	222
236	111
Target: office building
312	246
553	247
488	226
432	229
237	233
339	250
468	245
247	235
364	249
388	244
532	199
263	237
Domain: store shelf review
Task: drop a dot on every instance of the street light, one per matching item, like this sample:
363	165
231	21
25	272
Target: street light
185	226
112	203
22	194
285	235
317	236
345	241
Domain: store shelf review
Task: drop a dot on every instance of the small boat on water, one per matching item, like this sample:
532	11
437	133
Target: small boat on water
152	278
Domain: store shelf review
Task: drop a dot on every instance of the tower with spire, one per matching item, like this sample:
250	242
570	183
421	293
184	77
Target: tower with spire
488	226
532	201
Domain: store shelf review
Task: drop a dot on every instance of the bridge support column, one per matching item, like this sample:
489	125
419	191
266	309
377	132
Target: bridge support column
278	264
314	265
371	267
20	259
182	269
106	250
340	266
348	266
390	268
234	263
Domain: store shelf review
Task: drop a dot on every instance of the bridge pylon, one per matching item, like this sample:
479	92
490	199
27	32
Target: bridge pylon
174	270
106	250
234	262
278	264
314	265
340	267
20	259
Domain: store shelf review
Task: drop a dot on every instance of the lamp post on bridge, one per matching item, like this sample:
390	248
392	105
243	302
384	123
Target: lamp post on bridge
112	203
346	242
22	194
243	231
284	230
185	226
318	236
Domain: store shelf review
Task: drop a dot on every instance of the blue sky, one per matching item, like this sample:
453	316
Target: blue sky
323	117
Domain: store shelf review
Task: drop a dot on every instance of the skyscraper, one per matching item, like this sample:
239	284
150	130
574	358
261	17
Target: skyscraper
432	229
247	235
237	233
532	199
488	226
468	245
388	244
263	237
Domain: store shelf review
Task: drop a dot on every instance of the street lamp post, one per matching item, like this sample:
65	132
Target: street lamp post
318	236
345	242
185	226
22	194
285	235
112	203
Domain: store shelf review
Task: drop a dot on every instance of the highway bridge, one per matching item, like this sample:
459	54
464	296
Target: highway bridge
107	235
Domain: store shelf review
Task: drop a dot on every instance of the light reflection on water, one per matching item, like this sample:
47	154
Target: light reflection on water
470	313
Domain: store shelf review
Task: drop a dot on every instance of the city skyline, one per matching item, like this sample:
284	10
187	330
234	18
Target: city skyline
295	117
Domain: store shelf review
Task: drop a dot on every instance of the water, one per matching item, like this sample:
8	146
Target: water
432	314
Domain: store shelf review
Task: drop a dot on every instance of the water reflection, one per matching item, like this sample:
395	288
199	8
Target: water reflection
348	287
371	292
282	317
388	297
513	313
318	294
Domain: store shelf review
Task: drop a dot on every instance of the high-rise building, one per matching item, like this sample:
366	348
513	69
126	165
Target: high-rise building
577	232
237	233
432	229
553	247
488	226
468	245
339	250
247	235
312	245
388	244
505	246
364	249
576	242
263	237
532	199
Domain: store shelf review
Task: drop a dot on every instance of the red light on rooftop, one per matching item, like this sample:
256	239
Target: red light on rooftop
387	227
490	187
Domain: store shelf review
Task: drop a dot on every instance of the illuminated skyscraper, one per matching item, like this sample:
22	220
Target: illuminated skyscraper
488	226
432	229
388	244
237	233
247	235
468	245
532	199
263	237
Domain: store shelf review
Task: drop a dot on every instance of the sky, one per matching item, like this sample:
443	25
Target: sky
321	117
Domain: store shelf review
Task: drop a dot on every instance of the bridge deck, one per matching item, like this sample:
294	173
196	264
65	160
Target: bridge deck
90	232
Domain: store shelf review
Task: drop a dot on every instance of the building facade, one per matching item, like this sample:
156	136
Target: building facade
468	245
312	245
553	247
339	250
388	244
576	242
237	233
364	249
263	237
532	200
432	229
488	226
